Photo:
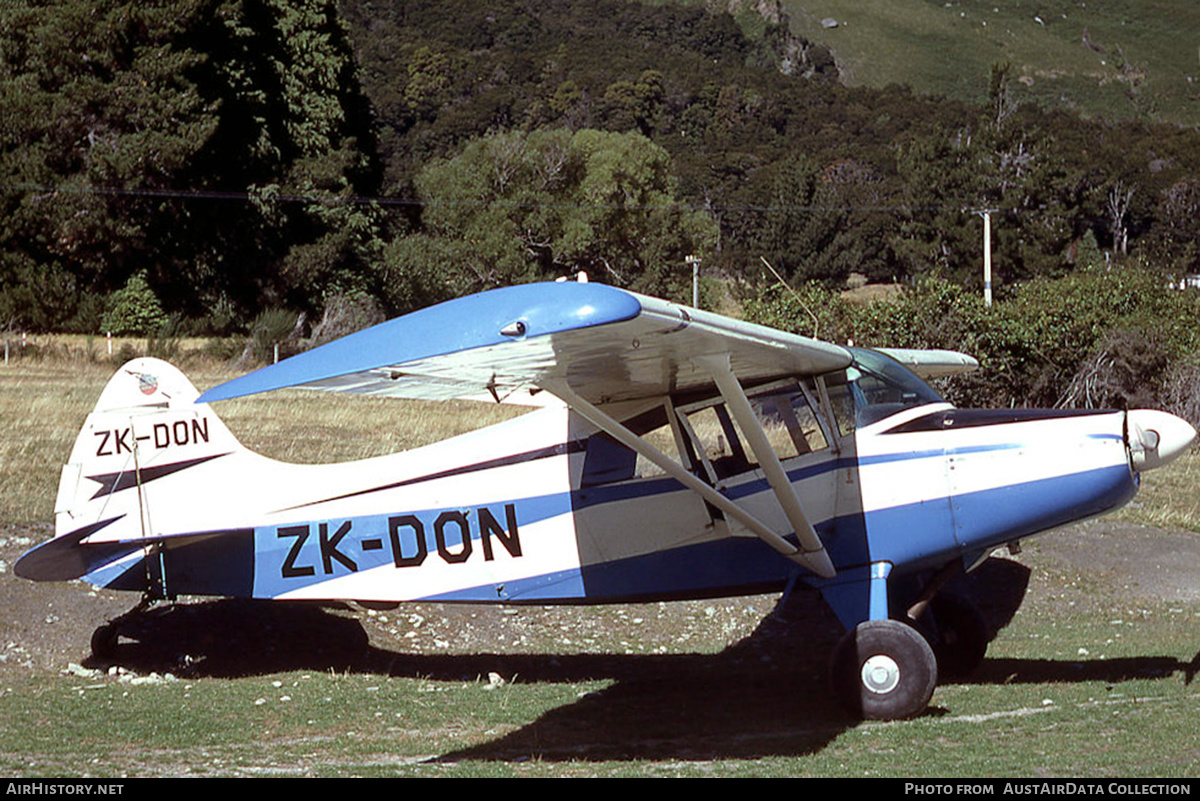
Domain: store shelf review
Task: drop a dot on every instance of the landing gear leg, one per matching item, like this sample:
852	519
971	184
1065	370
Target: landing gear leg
884	670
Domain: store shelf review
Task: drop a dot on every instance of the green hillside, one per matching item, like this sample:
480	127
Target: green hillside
290	152
1116	59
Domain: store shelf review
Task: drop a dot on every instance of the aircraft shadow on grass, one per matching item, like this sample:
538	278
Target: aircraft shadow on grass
765	695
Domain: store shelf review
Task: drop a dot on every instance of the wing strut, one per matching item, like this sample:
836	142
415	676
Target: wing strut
816	561
739	406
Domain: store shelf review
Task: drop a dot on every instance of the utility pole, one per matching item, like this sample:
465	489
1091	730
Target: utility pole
987	255
695	262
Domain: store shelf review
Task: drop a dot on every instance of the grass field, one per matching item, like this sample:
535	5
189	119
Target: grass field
1087	679
1143	62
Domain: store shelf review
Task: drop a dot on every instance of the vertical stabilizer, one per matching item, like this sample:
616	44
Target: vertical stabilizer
146	425
145	428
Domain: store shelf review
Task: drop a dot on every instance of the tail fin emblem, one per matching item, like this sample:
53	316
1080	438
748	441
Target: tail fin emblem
147	383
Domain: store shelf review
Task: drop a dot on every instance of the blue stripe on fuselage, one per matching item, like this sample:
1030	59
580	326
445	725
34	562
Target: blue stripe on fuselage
900	535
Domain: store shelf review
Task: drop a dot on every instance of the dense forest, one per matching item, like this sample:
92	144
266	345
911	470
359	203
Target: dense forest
205	161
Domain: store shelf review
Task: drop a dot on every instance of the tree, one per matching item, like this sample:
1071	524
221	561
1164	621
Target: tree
1007	168
1174	241
633	105
101	114
516	207
1118	200
803	223
135	134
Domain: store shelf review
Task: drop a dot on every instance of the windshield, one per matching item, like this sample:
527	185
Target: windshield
875	386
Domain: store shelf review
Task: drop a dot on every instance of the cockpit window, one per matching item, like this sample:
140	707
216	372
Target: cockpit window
874	387
703	436
783	409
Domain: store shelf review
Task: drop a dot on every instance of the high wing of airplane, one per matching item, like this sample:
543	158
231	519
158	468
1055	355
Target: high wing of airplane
691	455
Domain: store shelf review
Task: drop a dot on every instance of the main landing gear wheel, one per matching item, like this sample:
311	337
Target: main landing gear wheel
961	639
884	670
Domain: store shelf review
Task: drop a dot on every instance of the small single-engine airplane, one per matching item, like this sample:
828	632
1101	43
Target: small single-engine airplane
690	455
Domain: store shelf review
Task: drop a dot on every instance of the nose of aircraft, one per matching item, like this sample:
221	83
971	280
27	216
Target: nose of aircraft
1155	438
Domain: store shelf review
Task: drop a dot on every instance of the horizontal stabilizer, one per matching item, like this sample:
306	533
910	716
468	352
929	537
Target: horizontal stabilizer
65	558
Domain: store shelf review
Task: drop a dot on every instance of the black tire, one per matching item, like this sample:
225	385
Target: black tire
883	670
960	635
104	641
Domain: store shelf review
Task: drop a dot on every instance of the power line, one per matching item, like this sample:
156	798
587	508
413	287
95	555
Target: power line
383	200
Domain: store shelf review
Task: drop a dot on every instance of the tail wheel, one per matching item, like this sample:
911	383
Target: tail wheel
104	641
883	670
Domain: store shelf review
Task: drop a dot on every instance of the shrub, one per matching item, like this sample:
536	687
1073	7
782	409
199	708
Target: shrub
133	309
1104	338
345	314
270	328
1126	370
1181	390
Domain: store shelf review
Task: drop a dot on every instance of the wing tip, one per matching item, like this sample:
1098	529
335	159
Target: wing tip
460	324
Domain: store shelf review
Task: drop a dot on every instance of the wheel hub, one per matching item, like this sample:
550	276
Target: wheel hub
880	674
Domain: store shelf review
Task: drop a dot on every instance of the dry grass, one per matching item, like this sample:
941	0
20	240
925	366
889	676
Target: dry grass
315	427
1170	496
873	293
43	406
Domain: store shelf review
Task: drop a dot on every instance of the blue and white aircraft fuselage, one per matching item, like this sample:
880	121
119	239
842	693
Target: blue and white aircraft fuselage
687	455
